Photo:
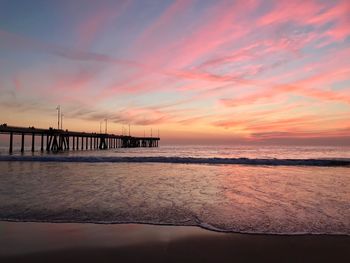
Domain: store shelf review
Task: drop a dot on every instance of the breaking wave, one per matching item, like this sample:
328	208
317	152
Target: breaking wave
182	160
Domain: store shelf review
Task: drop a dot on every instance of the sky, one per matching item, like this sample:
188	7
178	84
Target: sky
199	72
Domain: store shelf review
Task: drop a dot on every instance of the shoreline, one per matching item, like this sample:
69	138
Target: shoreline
209	228
89	242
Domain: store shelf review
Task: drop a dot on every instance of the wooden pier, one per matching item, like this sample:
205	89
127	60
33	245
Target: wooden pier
62	140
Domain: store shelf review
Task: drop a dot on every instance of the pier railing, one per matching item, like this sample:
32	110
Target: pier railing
61	140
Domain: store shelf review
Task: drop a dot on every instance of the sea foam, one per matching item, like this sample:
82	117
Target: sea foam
182	160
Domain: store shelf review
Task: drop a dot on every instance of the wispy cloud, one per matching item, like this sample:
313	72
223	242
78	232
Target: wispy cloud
256	69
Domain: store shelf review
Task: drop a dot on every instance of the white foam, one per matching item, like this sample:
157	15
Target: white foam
182	160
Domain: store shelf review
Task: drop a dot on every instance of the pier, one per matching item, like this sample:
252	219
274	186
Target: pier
61	140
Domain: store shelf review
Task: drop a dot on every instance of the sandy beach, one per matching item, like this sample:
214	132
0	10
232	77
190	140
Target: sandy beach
74	242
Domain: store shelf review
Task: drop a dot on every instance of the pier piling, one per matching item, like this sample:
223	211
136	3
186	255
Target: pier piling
33	140
22	143
11	142
42	142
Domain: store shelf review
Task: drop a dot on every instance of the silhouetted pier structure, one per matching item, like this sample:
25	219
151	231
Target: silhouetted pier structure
61	140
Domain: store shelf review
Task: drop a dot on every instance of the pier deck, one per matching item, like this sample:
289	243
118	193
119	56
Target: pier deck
61	140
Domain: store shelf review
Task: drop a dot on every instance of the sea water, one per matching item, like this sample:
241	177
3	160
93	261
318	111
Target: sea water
248	189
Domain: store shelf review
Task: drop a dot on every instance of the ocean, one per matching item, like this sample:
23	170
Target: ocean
246	189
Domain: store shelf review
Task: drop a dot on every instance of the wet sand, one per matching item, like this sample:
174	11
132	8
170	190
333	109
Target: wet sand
70	242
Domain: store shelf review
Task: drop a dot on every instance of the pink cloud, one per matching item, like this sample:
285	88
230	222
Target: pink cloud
212	29
280	91
283	11
339	15
313	13
317	83
217	28
94	23
162	23
17	83
301	126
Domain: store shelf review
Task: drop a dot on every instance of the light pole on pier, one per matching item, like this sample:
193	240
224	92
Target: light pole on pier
101	126
58	108
62	121
106	126
129	129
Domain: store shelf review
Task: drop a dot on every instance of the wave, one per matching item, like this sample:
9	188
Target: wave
181	160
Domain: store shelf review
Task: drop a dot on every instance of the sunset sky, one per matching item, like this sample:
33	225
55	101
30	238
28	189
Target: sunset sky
199	71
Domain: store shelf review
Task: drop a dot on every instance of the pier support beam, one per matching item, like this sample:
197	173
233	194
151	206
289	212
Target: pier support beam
33	141
102	144
22	143
47	143
11	142
60	142
54	143
42	143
